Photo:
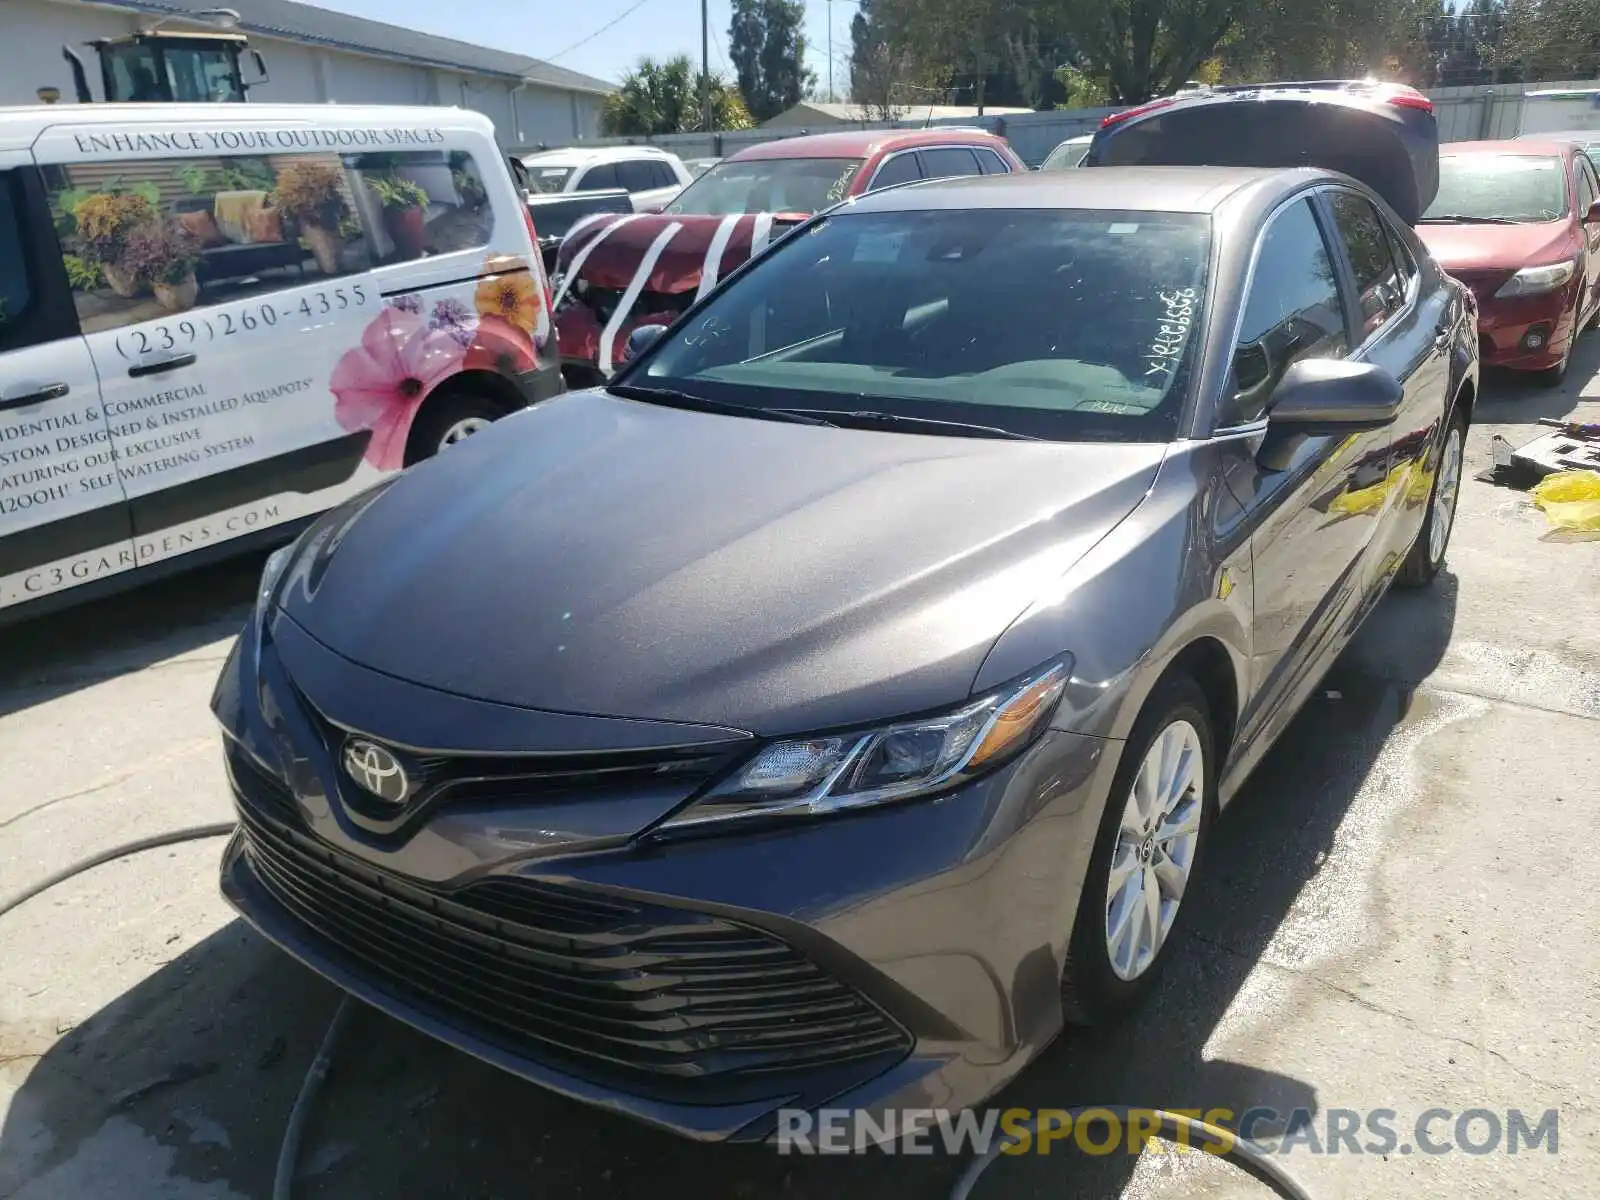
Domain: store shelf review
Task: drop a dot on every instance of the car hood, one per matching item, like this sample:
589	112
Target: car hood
1469	248
668	254
607	557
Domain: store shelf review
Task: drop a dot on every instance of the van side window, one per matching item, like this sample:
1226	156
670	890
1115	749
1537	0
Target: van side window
16	290
1379	290
149	238
1293	311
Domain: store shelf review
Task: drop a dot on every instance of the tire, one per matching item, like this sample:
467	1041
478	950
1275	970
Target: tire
1427	553
449	417
1098	984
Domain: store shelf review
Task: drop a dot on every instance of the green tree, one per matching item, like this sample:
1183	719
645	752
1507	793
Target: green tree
1547	40
1148	48
664	97
768	51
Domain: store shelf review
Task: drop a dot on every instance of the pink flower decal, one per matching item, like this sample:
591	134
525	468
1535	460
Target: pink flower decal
381	383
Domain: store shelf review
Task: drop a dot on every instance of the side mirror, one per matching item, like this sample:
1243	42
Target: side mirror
640	340
1329	396
1592	217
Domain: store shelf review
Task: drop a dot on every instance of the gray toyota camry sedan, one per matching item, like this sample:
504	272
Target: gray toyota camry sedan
842	699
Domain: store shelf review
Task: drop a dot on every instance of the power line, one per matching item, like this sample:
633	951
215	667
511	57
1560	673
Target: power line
616	20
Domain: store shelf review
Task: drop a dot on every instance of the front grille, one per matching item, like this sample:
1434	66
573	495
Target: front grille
600	986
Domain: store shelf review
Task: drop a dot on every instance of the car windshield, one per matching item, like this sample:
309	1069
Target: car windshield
547	179
1064	156
1500	187
776	185
1067	325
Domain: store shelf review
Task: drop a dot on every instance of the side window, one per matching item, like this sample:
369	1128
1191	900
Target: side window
597	179
1293	311
990	162
1379	291
944	163
637	175
1588	191
1404	261
142	240
662	173
902	168
16	287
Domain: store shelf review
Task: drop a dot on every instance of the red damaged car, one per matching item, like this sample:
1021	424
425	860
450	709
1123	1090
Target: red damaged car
618	271
1518	222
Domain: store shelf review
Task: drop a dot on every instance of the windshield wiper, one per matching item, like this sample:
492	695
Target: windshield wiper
1464	219
673	398
887	420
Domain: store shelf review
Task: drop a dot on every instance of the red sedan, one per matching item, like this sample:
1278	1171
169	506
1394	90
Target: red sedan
1519	223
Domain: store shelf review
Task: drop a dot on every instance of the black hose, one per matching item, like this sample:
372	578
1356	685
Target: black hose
289	1150
1174	1128
154	842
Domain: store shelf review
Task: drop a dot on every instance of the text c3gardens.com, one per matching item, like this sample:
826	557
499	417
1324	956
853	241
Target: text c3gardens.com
1102	1131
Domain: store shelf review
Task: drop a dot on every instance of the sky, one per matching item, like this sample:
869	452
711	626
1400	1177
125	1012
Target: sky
659	28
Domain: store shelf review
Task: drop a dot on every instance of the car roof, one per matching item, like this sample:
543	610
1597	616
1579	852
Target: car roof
862	143
578	156
1544	145
1138	189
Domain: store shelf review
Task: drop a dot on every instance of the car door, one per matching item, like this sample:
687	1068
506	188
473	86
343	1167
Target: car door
1308	538
63	516
1588	187
1405	330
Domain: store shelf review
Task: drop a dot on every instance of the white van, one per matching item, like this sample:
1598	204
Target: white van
219	319
1560	110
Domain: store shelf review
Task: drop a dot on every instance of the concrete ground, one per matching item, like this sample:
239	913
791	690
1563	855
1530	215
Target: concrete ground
1398	914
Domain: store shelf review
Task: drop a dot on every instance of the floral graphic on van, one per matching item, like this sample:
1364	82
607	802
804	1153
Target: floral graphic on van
512	298
382	383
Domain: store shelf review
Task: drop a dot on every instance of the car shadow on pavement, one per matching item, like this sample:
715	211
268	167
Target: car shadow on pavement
190	1076
1515	396
56	654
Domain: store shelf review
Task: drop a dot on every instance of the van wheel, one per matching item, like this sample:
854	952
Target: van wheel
1150	840
448	418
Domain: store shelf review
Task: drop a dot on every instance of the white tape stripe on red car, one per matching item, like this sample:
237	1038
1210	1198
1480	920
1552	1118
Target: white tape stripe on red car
631	296
576	266
762	234
712	267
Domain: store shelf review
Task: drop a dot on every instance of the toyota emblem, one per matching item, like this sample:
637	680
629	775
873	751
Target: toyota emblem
376	770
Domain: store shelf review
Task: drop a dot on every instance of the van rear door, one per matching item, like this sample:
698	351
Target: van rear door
1386	136
63	515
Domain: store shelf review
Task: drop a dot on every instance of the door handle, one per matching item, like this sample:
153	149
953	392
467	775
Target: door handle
50	391
157	368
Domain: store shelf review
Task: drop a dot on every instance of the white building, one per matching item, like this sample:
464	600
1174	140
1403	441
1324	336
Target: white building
316	56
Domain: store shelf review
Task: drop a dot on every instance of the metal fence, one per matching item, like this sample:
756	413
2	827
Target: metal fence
1465	113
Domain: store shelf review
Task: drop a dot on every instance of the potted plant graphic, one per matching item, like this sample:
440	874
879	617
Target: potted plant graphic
164	256
313	194
105	222
403	204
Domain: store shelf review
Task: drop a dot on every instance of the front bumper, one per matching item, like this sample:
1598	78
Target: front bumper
906	957
1505	327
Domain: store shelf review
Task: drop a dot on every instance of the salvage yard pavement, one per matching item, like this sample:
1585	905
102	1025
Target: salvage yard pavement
1398	913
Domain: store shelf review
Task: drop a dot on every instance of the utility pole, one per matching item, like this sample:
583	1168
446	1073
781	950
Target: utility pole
830	51
705	65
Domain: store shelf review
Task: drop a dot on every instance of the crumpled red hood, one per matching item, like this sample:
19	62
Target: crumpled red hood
649	255
611	249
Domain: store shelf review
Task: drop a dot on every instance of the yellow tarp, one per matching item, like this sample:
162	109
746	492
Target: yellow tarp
1570	499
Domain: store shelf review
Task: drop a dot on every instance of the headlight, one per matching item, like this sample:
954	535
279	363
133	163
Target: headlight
1536	281
810	776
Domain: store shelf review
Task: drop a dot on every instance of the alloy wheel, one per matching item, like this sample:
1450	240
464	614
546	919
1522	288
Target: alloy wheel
1446	489
1153	854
